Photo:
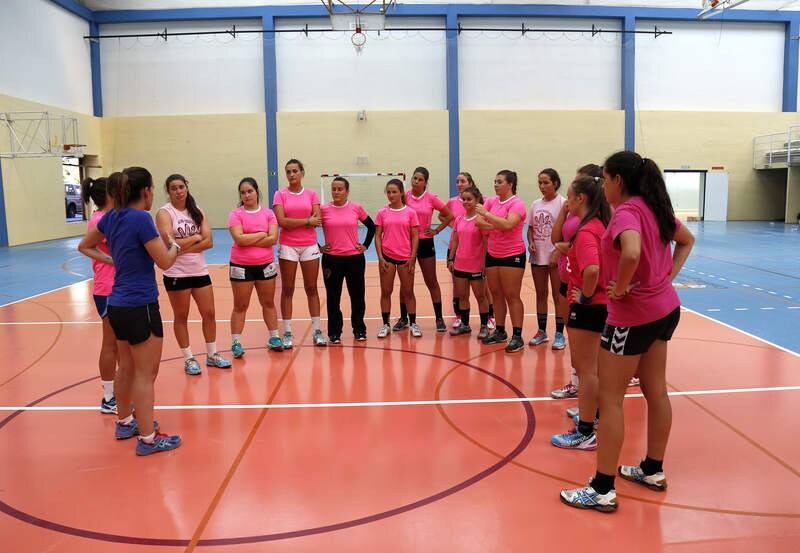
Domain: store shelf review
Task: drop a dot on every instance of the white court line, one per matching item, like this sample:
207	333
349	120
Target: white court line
43	293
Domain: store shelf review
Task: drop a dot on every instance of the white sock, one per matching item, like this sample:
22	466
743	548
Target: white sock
315	323
127	420
108	389
574	377
149	438
274	333
236	337
187	352
211	348
287	326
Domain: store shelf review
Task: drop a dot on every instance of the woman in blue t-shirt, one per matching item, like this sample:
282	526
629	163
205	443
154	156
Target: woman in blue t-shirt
133	304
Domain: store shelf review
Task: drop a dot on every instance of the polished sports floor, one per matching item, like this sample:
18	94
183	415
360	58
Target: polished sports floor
402	444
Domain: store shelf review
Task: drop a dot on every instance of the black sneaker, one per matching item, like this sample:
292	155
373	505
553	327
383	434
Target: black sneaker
360	336
440	325
516	344
400	325
335	339
496	337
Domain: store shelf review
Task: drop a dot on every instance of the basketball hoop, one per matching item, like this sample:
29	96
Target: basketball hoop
359	19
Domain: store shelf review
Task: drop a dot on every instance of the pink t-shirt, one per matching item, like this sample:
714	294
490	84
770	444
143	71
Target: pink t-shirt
187	264
103	272
297	206
571	224
506	243
340	227
541	217
653	296
424	206
585	251
396	225
470	254
252	221
456	206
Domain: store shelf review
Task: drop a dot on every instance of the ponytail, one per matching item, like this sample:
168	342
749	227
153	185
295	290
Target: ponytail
598	207
95	190
642	177
191	205
511	178
127	185
399	184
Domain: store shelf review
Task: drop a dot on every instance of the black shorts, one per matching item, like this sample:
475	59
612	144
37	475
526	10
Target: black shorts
174	284
636	340
249	273
562	289
426	248
587	317
466	275
515	261
135	324
394	261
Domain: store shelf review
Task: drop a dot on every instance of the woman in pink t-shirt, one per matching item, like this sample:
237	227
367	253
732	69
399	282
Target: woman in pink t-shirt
643	312
504	217
544	257
343	259
466	260
298	212
97	191
425	202
254	230
180	220
396	243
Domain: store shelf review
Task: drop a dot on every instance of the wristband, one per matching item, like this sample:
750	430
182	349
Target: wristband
177	246
585	300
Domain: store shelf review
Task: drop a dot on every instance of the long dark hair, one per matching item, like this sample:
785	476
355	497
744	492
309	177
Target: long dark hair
592	188
511	178
472	189
592	170
252	182
95	190
642	177
126	186
191	205
425	173
399	184
554	177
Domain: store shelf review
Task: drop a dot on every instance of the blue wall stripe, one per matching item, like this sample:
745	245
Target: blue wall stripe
97	87
3	222
271	105
453	102
628	88
791	57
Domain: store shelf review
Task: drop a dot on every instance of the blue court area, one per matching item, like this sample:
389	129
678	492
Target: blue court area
745	274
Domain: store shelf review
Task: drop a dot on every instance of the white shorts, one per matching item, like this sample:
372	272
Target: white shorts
298	253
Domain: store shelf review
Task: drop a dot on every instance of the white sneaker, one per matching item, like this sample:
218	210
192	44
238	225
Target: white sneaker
634	382
588	498
634	473
457	322
416	331
384	331
491	324
572	412
567	391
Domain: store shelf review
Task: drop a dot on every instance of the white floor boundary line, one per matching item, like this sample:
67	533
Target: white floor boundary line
475	401
43	293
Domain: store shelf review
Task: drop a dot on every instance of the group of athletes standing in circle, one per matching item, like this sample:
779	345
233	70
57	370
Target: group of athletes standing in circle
605	250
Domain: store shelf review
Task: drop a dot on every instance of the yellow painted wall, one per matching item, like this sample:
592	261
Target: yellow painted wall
34	188
699	140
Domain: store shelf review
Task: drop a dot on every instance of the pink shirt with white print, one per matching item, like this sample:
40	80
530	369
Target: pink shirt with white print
183	226
541	217
396	225
297	205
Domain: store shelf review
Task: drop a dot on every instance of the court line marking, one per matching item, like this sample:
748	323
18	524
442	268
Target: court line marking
412	403
43	293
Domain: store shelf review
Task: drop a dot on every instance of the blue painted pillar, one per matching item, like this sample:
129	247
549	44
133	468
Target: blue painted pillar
271	103
452	99
3	224
791	57
629	81
94	53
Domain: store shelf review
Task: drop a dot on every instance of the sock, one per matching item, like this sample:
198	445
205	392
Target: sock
560	324
287	325
211	348
456	309
236	337
574	377
500	329
437	309
108	389
149	439
187	352
484	319
465	317
274	333
385	315
597	414
517	331
412	318
651	466
315	323
403	311
127	420
491	310
541	318
586	428
602	483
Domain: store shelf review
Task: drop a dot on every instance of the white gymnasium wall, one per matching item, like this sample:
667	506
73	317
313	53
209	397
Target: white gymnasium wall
210	74
504	70
45	58
398	70
710	66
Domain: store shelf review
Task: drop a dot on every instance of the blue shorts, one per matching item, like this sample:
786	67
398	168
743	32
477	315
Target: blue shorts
101	303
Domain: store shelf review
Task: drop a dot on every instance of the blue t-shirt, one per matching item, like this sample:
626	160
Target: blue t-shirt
127	231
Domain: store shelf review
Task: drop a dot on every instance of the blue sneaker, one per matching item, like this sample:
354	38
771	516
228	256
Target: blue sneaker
237	349
559	342
126	431
192	367
539	338
108	407
162	442
275	343
575	440
218	361
588	498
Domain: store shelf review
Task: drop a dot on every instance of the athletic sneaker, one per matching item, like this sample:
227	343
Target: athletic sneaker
559	342
457	321
496	337
400	325
126	431
575	440
237	349
191	366
588	498
441	326
319	339
567	391
515	344
275	343
416	331
634	382
108	407
218	361
483	332
360	336
539	338
335	339
656	482
288	340
572	412
161	442
492	324
460	330
384	331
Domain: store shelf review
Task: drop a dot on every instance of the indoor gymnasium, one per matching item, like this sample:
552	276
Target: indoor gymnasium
286	276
